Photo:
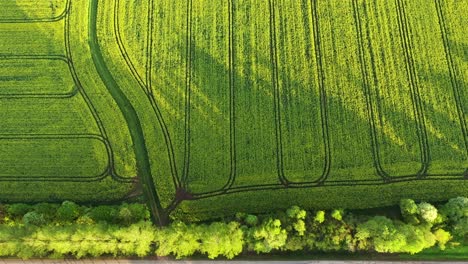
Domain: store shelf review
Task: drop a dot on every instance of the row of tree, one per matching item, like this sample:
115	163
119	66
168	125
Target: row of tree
64	232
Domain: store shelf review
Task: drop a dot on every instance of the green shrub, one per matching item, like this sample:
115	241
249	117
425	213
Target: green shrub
427	212
178	239
330	235
68	212
34	218
409	211
104	213
269	235
48	210
18	210
221	239
79	234
319	217
251	220
442	237
127	214
386	236
380	234
337	214
456	213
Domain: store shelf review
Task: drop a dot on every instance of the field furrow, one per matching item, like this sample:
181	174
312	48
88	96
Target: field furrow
350	139
390	90
210	100
451	16
256	150
439	90
302	130
169	73
132	23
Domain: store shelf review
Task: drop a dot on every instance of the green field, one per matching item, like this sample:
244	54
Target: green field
213	107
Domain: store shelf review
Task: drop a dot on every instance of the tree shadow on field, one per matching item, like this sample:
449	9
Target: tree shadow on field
203	105
459	49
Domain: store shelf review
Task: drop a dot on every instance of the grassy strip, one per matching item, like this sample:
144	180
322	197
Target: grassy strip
131	117
453	253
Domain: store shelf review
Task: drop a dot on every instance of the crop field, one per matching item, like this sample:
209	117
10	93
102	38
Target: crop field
211	107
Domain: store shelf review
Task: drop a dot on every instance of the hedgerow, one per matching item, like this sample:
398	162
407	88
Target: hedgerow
71	230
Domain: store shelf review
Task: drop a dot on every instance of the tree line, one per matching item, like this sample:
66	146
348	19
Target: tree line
70	230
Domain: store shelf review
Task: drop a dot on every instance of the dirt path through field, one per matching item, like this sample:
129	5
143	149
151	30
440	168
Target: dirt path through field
130	115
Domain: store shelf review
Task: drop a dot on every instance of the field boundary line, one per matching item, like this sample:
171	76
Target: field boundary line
39	20
147	89
452	72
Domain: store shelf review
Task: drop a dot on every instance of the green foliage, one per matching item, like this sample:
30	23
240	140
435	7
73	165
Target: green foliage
269	235
251	220
292	230
18	210
337	214
456	212
379	233
179	240
138	211
77	240
409	211
417	238
456	209
386	236
296	228
34	218
104	213
427	212
68	211
408	207
330	235
222	239
296	213
442	237
48	210
319	216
